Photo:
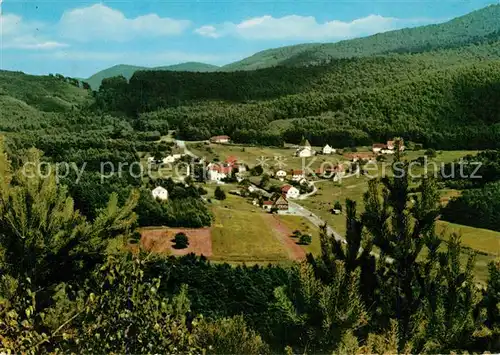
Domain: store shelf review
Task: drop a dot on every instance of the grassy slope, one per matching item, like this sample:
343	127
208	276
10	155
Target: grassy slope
473	26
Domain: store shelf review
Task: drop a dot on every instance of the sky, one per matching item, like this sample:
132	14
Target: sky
80	38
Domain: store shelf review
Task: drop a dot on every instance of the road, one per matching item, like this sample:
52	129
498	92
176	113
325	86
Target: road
182	145
314	219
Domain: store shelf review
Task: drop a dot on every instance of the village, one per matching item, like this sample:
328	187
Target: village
288	184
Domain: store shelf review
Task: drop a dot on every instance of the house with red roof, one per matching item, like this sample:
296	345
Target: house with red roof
217	172
290	191
297	175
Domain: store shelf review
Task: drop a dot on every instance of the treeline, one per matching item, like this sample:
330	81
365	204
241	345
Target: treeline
479	177
447	109
68	286
148	90
478	207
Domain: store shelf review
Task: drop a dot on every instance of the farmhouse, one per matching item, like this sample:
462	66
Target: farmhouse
220	139
267	205
335	172
380	148
280	175
377	147
218	172
327	150
168	159
290	192
297	175
160	193
305	150
365	156
281	204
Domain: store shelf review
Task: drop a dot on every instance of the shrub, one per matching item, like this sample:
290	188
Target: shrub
181	241
305	239
219	194
296	234
337	206
431	153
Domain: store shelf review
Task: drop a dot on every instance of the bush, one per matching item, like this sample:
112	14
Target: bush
337	206
305	239
296	234
431	153
181	241
219	194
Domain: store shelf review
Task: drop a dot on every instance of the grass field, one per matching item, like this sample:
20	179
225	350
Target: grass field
243	236
306	227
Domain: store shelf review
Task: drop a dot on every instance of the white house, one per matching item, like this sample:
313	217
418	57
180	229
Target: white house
327	150
305	150
280	175
220	139
160	193
290	192
217	172
169	159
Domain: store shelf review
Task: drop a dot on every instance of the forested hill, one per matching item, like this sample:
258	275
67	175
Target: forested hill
444	99
128	70
26	94
459	31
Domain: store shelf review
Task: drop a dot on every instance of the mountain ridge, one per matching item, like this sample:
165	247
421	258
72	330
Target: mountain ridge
474	26
128	70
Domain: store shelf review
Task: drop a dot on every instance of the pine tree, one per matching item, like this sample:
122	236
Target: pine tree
41	234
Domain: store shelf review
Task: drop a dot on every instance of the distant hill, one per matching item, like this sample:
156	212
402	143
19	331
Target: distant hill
128	70
477	25
44	93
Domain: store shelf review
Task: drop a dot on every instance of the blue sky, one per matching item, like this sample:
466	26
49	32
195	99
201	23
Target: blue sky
79	38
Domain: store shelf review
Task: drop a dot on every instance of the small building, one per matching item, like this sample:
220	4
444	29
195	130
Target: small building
169	159
305	150
160	193
365	156
378	147
280	175
391	145
267	205
327	150
220	139
297	175
218	172
281	204
290	191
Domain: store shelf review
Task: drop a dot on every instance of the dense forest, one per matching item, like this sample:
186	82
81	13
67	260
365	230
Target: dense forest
444	99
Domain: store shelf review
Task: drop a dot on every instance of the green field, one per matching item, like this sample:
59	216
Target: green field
241	233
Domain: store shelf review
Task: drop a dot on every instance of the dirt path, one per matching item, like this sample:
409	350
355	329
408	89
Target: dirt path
283	233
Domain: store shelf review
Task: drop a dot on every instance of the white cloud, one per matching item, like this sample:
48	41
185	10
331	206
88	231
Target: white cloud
16	33
296	27
99	22
208	31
